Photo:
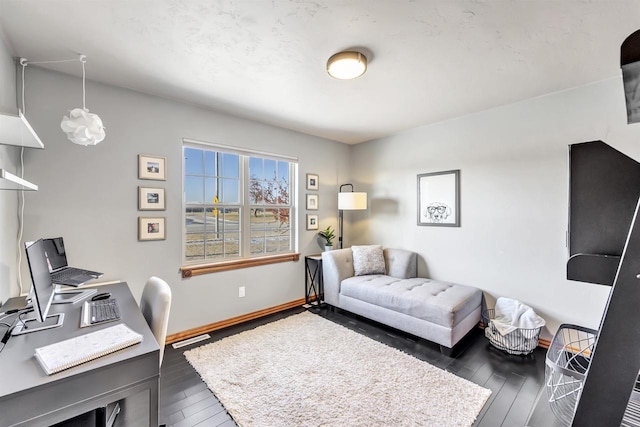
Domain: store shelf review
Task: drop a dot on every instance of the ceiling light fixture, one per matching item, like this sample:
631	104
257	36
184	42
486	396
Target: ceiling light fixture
81	126
347	65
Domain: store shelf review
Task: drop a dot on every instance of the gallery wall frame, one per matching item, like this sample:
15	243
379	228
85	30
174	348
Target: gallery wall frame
151	199
313	181
152	167
151	228
312	202
439	198
312	222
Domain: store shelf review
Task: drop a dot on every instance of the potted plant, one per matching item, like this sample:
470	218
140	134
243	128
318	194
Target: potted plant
328	235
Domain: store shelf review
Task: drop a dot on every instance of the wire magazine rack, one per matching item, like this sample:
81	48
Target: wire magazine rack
566	365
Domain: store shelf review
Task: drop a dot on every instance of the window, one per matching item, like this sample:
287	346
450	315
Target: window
238	205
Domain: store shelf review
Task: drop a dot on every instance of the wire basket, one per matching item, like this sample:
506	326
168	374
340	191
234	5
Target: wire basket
566	364
520	342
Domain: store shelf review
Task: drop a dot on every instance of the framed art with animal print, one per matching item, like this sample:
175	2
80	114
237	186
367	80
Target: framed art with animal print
439	198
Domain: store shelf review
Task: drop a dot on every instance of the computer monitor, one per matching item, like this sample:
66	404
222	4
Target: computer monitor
42	292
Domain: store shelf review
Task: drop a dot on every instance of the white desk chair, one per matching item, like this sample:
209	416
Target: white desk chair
154	305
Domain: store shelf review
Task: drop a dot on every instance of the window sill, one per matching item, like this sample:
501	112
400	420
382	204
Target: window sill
198	269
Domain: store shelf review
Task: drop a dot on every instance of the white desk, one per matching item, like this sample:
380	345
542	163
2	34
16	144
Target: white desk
28	396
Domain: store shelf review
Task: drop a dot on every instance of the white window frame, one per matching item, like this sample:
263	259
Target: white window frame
244	205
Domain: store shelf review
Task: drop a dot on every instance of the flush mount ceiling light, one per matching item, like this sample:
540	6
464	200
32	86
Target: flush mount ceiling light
347	65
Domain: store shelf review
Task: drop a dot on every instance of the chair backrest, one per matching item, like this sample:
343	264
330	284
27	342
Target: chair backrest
155	305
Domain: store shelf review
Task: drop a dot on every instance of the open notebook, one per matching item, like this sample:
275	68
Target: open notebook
74	351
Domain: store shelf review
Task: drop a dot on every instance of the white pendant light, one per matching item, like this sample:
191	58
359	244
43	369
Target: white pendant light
81	126
347	65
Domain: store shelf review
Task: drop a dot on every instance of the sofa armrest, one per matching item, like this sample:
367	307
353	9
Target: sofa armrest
400	263
337	265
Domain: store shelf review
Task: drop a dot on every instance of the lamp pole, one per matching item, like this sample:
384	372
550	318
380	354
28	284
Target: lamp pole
341	216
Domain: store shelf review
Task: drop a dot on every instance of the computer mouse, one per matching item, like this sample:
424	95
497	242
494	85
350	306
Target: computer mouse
103	295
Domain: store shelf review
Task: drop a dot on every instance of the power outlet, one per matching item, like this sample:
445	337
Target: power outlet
241	292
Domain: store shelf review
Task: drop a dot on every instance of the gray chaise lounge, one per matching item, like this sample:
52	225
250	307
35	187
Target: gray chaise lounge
436	311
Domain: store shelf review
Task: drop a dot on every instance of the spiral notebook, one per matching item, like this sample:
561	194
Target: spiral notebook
75	351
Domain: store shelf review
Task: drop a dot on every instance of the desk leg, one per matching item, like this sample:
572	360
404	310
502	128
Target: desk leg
154	399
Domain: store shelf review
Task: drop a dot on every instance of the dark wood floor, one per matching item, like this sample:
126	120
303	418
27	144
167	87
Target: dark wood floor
515	381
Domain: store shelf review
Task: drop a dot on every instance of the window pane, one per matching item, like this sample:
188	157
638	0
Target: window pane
270	169
257	219
230	191
192	161
255	168
210	164
231	165
214	245
194	225
282	217
232	244
255	192
282	193
210	191
230	219
283	171
193	189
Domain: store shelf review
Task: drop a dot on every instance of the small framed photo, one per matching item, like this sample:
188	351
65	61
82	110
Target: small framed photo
439	198
152	167
312	202
151	228
313	181
312	222
151	199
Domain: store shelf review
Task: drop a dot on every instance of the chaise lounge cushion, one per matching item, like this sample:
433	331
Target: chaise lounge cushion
441	303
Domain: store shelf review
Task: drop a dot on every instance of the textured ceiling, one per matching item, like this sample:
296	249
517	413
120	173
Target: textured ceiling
265	60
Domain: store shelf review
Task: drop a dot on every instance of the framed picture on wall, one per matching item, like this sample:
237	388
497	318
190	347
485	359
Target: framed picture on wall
151	199
439	198
151	228
152	167
312	222
312	202
313	181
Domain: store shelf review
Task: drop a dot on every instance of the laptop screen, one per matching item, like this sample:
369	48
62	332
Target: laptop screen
56	256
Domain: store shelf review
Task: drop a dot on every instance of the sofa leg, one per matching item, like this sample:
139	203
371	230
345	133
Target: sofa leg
446	351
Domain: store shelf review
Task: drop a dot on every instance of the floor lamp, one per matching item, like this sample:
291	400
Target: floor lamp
349	201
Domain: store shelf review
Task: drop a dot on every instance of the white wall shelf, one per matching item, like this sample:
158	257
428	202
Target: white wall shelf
16	130
9	181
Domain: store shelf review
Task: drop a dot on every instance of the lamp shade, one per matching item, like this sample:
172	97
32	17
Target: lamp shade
352	201
83	127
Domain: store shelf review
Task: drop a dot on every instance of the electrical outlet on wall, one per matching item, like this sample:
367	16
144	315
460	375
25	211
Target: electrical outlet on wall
241	292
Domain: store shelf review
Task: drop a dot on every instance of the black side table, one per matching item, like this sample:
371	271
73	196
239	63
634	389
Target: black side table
313	286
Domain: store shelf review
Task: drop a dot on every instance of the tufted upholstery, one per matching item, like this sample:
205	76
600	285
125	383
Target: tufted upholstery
441	303
441	312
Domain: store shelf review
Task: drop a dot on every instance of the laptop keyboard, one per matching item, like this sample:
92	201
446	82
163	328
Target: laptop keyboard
61	275
104	311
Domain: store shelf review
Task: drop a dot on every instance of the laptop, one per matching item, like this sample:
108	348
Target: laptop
61	273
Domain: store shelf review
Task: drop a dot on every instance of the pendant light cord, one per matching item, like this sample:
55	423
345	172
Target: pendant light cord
83	59
23	62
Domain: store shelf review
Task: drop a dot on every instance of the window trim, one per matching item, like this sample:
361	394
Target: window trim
210	266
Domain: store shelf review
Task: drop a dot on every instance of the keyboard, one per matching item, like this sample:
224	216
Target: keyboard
62	275
101	311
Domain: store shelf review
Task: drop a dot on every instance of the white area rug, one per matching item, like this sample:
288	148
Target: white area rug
308	371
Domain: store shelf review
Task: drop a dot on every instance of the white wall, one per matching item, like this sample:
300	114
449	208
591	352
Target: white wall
88	195
514	196
9	160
